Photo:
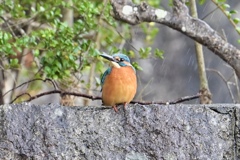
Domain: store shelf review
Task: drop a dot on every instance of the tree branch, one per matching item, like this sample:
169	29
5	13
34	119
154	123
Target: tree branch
181	21
64	93
179	100
206	98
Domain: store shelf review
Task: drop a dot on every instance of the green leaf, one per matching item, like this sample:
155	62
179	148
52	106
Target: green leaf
55	77
59	65
14	63
236	20
233	12
238	30
228	14
201	2
67	72
136	66
71	57
47	69
144	53
154	3
225	5
159	53
221	1
98	81
131	53
41	9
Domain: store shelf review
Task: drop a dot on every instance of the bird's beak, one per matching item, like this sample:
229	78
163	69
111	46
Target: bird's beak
111	59
108	57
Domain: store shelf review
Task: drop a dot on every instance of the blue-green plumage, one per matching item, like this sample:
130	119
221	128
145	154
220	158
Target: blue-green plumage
123	57
108	71
119	58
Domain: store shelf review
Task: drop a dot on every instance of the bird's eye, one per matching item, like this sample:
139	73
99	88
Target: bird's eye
121	59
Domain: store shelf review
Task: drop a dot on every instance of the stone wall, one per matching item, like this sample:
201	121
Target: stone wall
153	132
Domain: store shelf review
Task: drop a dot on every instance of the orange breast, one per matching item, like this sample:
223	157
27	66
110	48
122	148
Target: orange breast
120	86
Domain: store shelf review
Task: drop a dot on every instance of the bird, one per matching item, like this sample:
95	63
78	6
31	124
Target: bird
119	81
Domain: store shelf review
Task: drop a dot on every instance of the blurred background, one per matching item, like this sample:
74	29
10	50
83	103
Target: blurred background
177	75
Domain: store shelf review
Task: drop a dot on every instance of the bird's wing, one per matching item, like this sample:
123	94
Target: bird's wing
108	71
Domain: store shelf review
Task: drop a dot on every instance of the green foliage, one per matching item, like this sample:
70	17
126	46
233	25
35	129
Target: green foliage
136	66
154	3
14	63
238	30
230	14
150	30
60	50
159	53
201	2
236	20
226	9
238	40
220	1
5	46
225	5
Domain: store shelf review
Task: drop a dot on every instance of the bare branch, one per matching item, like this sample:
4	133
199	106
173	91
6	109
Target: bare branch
57	92
65	93
20	96
179	100
205	99
225	81
10	23
26	83
181	21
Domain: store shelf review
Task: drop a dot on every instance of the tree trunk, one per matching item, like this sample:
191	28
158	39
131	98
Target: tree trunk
206	97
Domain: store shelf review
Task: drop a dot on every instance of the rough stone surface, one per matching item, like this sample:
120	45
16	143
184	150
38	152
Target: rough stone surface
154	132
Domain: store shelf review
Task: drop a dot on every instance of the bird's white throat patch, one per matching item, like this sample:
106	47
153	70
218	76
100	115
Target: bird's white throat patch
115	64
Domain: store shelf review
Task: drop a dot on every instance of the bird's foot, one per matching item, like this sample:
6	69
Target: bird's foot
125	105
115	108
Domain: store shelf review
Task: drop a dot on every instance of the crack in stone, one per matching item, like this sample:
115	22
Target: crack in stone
235	133
221	111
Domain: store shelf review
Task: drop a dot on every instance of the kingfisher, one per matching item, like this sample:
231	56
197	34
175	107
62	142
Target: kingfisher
119	82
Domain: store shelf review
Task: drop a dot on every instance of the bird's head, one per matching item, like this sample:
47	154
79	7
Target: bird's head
117	60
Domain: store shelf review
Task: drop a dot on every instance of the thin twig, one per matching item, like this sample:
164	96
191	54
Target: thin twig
237	86
140	94
209	13
179	100
130	44
20	96
10	28
224	35
206	97
58	92
37	79
225	80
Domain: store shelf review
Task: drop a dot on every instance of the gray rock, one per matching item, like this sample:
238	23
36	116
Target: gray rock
154	132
